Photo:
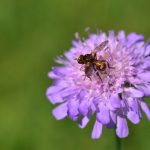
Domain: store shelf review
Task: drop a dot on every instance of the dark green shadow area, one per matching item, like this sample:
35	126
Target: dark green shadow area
32	34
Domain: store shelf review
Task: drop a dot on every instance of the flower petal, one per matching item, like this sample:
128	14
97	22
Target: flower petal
132	102
84	122
113	116
145	109
84	107
145	89
111	124
97	130
144	76
73	109
121	36
103	115
56	94
53	94
147	50
134	92
122	127
133	38
60	112
133	117
114	99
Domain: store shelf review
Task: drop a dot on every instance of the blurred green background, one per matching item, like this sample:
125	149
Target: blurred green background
32	33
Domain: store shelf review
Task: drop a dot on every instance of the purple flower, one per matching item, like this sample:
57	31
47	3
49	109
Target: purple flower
114	93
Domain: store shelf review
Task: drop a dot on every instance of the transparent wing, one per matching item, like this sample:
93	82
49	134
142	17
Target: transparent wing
101	46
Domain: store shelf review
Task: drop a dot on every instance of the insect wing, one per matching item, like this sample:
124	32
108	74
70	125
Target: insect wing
88	70
101	46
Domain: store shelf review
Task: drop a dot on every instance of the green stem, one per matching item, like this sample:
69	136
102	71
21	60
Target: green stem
118	144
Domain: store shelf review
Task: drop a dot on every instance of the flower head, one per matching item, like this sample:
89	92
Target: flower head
110	83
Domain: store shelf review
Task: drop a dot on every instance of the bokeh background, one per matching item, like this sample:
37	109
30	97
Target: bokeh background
32	34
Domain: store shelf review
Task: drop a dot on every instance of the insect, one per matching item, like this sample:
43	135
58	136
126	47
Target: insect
91	63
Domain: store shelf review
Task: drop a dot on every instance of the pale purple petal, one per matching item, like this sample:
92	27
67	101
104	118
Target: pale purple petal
114	99
52	94
103	115
145	89
84	107
73	109
145	76
134	92
133	105
133	37
111	124
133	117
121	36
84	122
113	116
122	127
147	50
60	112
145	109
97	130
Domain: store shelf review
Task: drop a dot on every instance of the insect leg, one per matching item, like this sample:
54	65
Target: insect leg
97	73
85	76
109	66
99	76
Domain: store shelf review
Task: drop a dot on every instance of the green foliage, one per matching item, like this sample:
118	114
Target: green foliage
32	33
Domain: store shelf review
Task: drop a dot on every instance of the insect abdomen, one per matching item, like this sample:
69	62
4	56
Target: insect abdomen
100	65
